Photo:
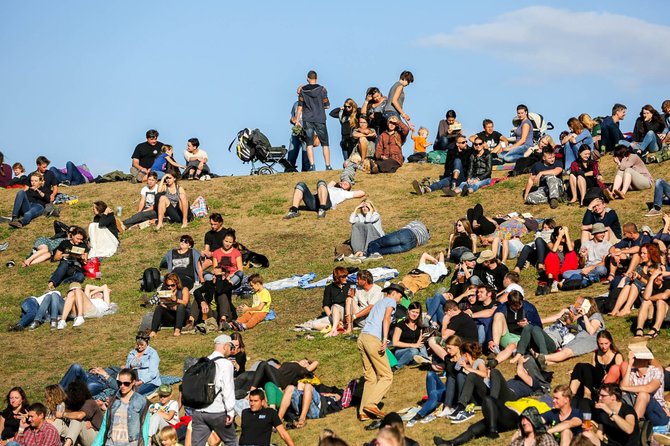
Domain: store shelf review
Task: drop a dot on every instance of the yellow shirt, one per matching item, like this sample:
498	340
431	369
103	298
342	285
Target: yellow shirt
262	297
420	144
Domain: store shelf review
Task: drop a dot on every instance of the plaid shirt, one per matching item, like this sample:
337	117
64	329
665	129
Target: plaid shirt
47	435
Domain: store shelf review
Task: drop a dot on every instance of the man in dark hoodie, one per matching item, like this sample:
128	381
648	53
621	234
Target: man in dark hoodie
312	103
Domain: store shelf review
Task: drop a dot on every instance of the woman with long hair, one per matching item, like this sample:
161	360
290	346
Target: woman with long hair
408	337
461	240
523	134
366	136
578	136
606	367
561	257
172	308
584	175
347	115
15	411
103	232
366	226
593	126
172	202
631	174
647	261
648	126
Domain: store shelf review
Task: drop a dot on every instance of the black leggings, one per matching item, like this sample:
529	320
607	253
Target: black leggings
206	293
535	253
588	376
474	386
165	316
497	418
265	372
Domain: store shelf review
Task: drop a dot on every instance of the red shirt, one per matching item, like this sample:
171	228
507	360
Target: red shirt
46	435
227	261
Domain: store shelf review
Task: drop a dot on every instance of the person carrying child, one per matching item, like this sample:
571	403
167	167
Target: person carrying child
259	309
20	178
420	145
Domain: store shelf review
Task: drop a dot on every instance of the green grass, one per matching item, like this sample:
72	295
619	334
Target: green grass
254	206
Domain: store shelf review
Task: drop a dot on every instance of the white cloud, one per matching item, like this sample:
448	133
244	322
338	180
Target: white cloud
557	42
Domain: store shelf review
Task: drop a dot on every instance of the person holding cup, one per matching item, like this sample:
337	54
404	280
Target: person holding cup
614	422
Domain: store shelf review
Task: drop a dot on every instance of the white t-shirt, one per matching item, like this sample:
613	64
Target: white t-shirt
364	299
149	195
435	271
596	252
169	407
200	154
338	195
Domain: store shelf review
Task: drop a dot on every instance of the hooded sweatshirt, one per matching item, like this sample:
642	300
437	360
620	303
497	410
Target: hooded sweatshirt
314	100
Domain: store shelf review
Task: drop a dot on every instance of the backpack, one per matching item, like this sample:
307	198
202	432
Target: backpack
437	157
198	386
261	144
151	280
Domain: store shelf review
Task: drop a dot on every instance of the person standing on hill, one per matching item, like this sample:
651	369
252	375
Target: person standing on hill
312	103
396	97
144	155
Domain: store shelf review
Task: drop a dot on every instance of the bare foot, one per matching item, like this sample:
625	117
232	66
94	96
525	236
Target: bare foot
152	334
158	226
184	225
332	334
25	264
623	313
177	332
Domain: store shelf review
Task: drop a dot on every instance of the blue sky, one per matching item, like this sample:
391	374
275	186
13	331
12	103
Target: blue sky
83	80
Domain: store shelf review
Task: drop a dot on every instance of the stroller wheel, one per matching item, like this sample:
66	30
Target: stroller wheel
265	170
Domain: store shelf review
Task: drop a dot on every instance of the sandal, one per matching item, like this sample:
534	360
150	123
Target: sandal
653	333
639	333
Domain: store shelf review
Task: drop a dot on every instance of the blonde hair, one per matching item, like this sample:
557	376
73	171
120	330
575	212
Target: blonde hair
166	147
423	128
53	396
353	117
587	121
168	433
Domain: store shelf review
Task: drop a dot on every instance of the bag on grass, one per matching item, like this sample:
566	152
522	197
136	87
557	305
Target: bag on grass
199	207
151	280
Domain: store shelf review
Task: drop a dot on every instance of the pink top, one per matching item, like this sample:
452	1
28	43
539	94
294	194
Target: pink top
635	162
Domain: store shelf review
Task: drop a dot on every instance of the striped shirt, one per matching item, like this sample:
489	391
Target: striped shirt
420	231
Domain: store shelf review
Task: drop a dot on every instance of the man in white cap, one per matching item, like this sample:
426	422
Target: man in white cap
372	345
219	415
593	253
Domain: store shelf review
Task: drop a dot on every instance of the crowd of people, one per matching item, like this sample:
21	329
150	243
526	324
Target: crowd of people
459	335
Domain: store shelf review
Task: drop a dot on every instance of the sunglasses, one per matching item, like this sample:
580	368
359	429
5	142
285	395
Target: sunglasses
171	285
478	144
124	383
183	240
460	142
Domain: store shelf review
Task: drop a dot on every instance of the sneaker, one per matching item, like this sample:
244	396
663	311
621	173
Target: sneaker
553	203
15	223
375	256
465	192
61	325
291	214
4	246
79	320
448	192
418	188
15	327
54	325
34	325
352	260
328	167
446	412
428	419
654	213
410	414
321	213
419	359
554	286
415	419
461	417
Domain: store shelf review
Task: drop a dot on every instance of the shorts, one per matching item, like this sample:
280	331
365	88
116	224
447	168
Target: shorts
321	131
509	338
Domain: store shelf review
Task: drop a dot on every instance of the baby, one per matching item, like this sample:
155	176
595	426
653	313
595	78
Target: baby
351	165
420	145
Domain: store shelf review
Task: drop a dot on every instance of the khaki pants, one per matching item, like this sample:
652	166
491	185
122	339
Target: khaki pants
252	319
76	430
416	282
376	370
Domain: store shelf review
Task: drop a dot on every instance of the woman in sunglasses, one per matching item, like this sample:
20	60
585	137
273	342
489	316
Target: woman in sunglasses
172	202
185	262
172	309
348	116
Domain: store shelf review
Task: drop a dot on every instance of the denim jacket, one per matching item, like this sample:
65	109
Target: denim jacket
138	421
147	369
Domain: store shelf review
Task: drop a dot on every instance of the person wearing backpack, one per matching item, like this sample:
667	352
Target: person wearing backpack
218	414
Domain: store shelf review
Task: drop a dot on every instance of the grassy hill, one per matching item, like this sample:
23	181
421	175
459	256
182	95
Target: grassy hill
254	207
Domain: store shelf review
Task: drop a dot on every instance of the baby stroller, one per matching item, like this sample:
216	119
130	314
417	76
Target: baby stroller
540	127
254	147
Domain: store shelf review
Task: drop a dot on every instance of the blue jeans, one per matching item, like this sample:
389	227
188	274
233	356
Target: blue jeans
649	143
56	305
435	307
321	131
405	356
76	372
61	274
24	208
31	311
449	176
513	155
72	174
594	276
435	389
570	153
453	389
655	413
399	241
312	201
297	147
474	187
661	190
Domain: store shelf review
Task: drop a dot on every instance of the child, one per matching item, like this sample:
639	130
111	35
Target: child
259	309
164	413
351	165
168	436
165	163
420	145
20	178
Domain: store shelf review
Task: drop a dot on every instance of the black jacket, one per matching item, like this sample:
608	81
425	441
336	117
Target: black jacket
480	166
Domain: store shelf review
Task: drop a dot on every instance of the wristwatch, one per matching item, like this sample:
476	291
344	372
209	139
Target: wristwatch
612	415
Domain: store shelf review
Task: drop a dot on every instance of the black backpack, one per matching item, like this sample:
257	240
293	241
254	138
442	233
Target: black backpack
198	384
261	144
151	280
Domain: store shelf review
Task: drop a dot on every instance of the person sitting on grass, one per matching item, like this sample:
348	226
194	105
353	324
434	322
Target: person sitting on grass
103	233
654	304
165	163
461	240
328	196
259	309
563	420
259	421
598	212
165	412
455	168
631	174
30	203
616	421
366	294
546	177
509	321
584	176
408	337
532	430
366	226
173	204
172	309
146	210
34	429
479	171
72	255
606	368
661	193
